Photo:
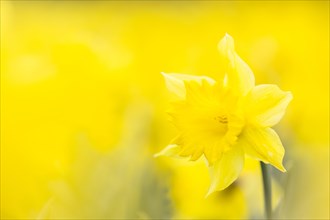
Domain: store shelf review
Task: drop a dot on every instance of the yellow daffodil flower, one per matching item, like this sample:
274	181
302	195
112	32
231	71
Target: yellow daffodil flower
224	121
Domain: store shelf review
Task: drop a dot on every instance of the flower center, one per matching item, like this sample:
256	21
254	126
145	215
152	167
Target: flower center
222	119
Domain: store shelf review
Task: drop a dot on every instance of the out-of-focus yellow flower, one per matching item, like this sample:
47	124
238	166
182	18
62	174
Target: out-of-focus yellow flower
224	121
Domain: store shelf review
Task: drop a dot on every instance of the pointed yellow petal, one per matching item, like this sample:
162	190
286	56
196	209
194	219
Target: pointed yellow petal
240	77
226	170
265	105
170	150
263	144
175	82
226	46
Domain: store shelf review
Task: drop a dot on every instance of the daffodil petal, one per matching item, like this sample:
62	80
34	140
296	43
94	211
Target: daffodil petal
263	144
226	46
170	150
240	77
226	170
175	82
266	104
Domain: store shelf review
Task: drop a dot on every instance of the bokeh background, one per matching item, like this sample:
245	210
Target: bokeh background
83	107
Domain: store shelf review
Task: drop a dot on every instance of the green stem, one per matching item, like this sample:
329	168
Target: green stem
266	177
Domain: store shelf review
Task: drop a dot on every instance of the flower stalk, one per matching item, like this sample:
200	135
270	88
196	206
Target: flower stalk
266	179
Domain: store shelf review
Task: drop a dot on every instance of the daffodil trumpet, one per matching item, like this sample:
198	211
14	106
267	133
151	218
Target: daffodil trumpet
227	120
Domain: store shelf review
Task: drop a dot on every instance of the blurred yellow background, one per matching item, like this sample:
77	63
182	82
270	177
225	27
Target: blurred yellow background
83	106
